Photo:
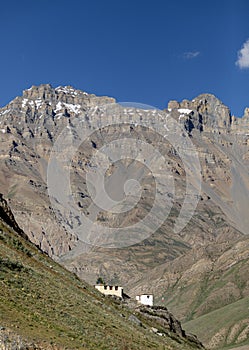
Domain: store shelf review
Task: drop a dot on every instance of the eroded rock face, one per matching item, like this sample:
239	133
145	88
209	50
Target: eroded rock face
31	124
29	127
205	113
7	217
165	320
163	317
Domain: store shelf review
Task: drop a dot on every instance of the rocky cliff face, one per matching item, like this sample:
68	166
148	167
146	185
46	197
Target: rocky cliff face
7	217
205	113
29	126
164	261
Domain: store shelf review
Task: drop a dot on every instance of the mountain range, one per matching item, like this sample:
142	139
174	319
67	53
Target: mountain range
199	271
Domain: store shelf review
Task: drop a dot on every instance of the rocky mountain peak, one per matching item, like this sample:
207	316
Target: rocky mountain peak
204	113
67	94
207	101
37	97
42	108
43	91
246	113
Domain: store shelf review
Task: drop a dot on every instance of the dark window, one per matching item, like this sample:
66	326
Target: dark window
105	287
110	287
116	287
148	296
94	144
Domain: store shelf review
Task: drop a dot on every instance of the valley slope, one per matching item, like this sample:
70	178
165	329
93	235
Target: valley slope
194	272
43	306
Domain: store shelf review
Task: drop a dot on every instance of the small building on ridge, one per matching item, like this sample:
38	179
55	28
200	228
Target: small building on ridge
110	290
145	299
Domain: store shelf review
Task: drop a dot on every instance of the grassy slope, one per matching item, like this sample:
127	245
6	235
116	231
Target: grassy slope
229	321
46	304
211	291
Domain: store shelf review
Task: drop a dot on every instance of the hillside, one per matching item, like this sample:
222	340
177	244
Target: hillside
190	166
192	288
43	306
224	328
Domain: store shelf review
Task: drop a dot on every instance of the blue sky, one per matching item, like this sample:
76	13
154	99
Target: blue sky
141	51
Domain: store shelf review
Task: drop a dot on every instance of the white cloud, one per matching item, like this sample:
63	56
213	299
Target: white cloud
191	54
243	56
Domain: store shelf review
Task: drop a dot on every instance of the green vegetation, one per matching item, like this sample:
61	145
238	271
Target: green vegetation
230	321
211	292
44	303
214	304
100	280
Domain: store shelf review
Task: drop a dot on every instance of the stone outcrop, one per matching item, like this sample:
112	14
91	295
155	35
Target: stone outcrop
165	320
205	113
7	217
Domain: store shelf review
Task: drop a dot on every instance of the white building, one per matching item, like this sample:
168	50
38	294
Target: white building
145	299
110	290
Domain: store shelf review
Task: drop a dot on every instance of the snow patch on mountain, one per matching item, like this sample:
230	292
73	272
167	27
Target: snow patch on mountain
184	110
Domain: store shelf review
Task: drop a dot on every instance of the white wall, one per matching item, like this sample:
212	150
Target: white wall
110	290
145	299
